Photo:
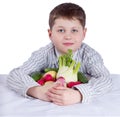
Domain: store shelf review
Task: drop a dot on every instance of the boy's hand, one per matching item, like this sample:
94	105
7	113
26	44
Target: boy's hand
40	91
61	95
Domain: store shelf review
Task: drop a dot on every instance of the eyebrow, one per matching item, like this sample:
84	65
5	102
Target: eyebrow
65	27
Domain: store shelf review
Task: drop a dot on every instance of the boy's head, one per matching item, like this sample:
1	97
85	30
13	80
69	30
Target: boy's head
67	11
67	27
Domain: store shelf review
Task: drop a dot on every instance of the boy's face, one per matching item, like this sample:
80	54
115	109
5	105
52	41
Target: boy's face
67	34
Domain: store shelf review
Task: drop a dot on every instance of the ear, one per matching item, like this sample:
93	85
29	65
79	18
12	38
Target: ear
84	32
49	33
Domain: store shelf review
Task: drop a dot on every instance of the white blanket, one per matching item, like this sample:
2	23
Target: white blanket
14	105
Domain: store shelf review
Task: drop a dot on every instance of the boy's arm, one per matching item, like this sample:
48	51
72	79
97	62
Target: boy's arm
100	81
19	79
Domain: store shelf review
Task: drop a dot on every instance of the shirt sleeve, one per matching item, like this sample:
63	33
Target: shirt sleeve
19	78
100	81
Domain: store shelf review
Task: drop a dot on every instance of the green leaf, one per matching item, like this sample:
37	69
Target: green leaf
82	78
36	75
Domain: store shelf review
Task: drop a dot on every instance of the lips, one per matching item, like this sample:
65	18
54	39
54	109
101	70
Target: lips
67	44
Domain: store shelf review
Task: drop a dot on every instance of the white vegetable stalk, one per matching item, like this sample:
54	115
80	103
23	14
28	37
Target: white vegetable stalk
68	68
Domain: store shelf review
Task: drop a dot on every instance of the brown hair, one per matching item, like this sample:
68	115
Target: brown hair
69	11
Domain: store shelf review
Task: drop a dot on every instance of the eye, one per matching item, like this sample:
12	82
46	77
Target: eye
61	30
74	30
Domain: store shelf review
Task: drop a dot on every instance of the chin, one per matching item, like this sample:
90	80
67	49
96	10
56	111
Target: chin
66	50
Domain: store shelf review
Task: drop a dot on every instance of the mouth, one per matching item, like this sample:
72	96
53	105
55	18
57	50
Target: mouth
68	44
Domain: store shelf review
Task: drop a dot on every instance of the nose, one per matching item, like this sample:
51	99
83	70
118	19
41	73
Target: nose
67	35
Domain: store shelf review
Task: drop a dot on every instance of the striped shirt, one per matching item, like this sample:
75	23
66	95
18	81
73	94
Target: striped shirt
46	57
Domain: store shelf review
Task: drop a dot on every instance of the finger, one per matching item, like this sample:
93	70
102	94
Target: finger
57	90
55	100
57	86
54	97
60	88
53	93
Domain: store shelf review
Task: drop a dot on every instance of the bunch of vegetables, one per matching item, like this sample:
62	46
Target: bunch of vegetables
67	73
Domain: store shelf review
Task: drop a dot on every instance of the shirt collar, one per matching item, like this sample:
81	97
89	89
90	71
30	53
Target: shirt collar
58	53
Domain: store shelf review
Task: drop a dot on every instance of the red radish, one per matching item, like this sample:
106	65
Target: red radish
41	81
71	84
61	80
48	77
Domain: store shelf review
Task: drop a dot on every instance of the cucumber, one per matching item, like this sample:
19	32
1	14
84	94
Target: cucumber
82	78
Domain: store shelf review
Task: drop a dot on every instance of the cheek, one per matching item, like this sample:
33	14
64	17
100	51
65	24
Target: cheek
80	37
78	44
55	40
79	41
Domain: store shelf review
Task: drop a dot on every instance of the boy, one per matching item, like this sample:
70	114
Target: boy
67	31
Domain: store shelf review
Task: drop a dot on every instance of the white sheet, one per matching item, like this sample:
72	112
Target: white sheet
13	105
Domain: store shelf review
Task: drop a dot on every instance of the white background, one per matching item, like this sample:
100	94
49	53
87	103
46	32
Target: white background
24	24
